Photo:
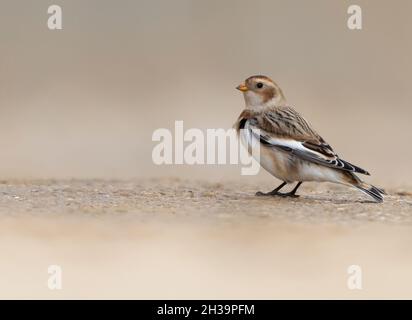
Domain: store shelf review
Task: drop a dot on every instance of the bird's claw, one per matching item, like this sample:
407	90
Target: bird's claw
273	194
261	194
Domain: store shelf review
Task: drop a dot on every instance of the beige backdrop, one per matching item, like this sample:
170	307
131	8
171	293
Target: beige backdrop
83	102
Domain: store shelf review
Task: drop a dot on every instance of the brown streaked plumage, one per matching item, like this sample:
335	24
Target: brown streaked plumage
290	149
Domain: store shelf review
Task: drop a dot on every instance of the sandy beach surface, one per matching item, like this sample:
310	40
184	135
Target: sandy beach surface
172	238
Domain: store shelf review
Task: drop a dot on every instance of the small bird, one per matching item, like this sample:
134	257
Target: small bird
289	148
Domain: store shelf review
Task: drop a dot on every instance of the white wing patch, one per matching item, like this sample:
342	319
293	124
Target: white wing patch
299	150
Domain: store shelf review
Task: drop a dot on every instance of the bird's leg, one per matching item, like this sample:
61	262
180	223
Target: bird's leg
293	192
274	192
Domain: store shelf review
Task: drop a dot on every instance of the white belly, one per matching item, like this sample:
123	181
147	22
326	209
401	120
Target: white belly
285	166
274	161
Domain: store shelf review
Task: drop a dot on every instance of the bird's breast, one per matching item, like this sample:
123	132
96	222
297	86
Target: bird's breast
275	161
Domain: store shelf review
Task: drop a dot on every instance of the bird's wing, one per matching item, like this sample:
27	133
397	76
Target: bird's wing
284	129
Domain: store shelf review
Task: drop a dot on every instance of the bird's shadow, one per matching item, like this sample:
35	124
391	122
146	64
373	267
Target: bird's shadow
306	198
336	201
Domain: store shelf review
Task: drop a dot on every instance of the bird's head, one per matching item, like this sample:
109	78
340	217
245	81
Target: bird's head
260	92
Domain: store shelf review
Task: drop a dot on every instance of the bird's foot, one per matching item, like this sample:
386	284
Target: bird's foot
263	194
276	194
289	194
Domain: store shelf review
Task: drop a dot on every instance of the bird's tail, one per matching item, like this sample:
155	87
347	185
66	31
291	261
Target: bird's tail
372	191
375	193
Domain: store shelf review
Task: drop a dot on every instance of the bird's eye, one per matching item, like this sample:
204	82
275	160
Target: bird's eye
259	85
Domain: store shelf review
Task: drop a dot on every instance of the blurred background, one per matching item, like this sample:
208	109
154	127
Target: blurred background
83	102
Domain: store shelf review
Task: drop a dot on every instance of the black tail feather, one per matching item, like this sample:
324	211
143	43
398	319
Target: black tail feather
351	167
372	191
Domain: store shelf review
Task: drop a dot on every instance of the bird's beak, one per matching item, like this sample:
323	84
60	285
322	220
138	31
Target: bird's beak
242	87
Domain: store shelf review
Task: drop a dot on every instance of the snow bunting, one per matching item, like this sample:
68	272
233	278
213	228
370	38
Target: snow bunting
290	149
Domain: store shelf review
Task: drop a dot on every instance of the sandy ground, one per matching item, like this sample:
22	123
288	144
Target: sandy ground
171	238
